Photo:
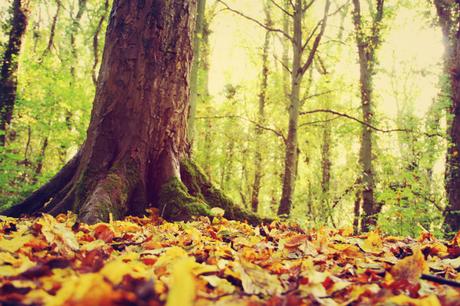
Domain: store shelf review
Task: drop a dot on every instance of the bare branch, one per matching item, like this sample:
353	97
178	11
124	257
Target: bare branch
369	125
312	33
282	63
311	56
227	7
281	8
308	5
317	122
257	124
317	95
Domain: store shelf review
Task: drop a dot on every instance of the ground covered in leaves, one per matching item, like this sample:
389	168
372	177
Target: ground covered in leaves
147	261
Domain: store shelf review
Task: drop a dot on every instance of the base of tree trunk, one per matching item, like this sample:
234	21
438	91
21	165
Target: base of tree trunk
200	187
178	199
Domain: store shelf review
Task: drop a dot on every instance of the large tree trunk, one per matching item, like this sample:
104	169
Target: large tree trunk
367	46
450	25
8	76
136	139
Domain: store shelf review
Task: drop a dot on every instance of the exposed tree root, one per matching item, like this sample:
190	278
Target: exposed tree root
37	200
118	193
200	187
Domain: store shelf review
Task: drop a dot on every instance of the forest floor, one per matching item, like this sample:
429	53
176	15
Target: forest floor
147	261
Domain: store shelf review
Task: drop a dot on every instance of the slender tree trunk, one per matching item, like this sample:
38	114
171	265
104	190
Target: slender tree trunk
290	160
298	69
367	46
36	30
41	159
103	16
52	31
9	68
258	159
197	42
357	212
450	25
285	58
73	33
326	165
228	166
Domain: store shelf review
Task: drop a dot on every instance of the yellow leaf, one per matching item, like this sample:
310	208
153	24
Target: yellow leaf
256	280
14	244
410	268
431	300
223	285
58	233
182	288
88	289
171	255
373	243
117	269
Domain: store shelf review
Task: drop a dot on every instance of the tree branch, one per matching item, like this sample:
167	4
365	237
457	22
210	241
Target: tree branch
281	8
311	56
282	63
306	97
369	125
227	7
266	128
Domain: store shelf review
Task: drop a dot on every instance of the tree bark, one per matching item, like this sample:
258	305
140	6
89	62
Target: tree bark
258	159
450	25
367	46
136	140
8	76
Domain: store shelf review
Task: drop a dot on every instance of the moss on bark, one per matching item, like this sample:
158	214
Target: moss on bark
199	186
176	204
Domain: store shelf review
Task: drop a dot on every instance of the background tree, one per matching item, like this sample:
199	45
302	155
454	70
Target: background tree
9	64
450	25
368	41
258	171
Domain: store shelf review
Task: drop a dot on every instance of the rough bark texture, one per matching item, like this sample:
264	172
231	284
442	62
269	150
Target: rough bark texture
450	25
298	70
367	46
137	134
258	171
8	73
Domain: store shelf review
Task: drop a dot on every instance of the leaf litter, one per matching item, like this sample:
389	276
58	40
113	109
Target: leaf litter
148	261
